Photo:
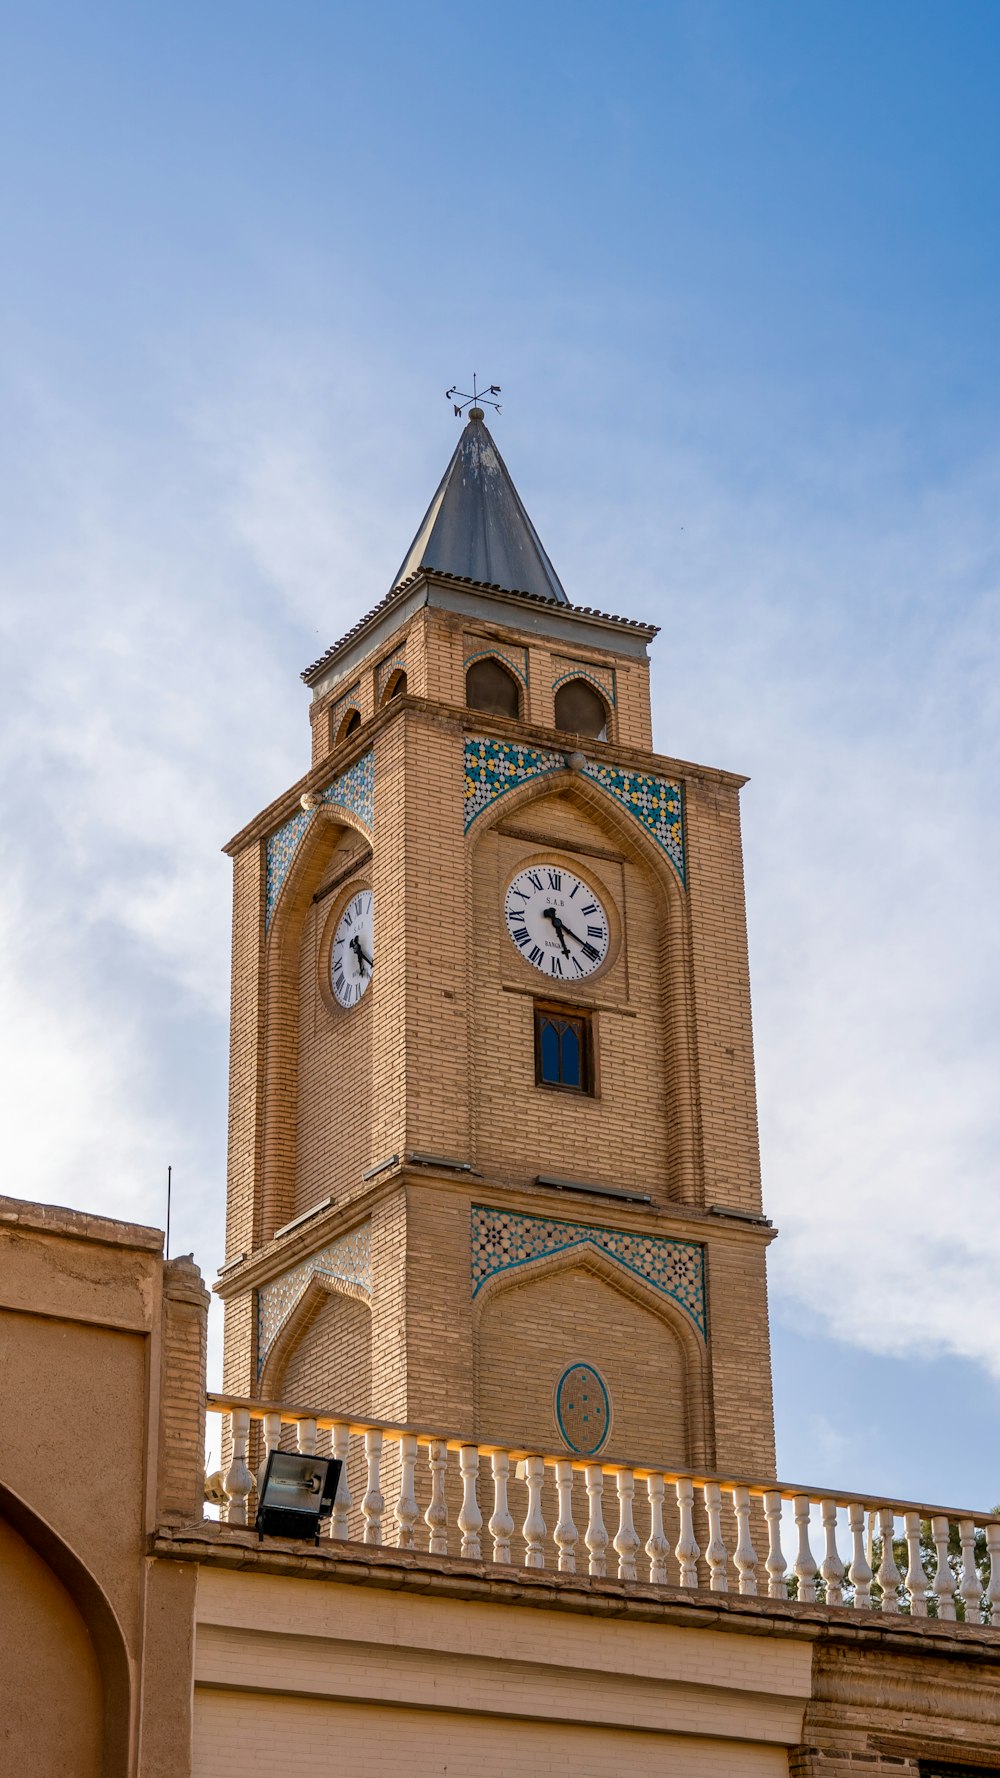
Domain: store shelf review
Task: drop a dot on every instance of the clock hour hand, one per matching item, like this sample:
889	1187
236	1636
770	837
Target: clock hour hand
550	914
360	954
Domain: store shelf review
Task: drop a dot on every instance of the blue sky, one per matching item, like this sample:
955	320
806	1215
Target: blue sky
736	268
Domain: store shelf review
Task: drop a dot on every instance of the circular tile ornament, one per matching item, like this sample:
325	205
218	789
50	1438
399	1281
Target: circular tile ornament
583	1409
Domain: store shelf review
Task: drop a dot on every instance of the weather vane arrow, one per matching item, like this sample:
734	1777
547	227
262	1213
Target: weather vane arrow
460	400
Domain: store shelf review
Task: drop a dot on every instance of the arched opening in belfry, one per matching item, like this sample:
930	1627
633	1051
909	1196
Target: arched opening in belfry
491	688
396	687
581	710
349	722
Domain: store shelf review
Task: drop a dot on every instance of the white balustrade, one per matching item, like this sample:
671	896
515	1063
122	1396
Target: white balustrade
565	1536
436	1516
716	1554
407	1512
470	1519
596	1538
744	1555
533	1529
239	1481
871	1524
657	1547
831	1568
777	1567
501	1522
687	1551
860	1573
627	1540
340	1441
889	1576
373	1506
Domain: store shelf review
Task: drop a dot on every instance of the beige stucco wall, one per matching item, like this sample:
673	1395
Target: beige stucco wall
393	1680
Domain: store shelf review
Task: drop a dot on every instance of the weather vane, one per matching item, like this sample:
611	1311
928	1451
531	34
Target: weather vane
475	399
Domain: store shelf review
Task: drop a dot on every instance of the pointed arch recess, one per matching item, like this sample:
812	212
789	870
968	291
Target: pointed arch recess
271	1364
585	1256
558	779
99	1617
315	844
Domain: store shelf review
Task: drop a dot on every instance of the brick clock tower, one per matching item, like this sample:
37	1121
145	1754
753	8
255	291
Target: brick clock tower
493	1158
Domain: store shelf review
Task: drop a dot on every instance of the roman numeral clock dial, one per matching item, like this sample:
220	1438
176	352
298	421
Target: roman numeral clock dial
556	922
352	954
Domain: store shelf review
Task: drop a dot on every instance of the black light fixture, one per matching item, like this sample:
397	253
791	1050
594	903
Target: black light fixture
296	1492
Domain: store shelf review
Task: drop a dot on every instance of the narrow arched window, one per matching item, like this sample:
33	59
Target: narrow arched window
349	722
580	710
396	686
489	687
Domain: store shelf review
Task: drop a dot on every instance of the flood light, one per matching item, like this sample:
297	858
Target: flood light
296	1492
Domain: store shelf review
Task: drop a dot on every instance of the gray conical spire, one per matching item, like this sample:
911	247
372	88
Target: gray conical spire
476	526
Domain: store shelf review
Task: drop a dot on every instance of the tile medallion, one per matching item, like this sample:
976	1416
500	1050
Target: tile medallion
583	1409
348	1259
353	790
515	658
502	1240
494	767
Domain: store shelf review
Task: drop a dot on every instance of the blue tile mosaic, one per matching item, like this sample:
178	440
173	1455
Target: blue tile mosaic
353	790
494	767
348	1259
583	1409
502	1240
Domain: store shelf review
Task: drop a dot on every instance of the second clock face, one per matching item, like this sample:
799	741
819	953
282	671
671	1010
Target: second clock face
352	954
557	922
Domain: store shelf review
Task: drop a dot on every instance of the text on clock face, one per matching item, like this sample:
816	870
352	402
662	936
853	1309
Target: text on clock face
557	922
352	955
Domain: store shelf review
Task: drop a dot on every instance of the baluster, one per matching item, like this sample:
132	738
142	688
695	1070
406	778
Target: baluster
831	1567
744	1555
687	1551
533	1528
859	1574
272	1436
776	1565
944	1580
340	1444
407	1512
373	1506
239	1481
993	1590
916	1579
596	1538
970	1588
804	1566
565	1536
889	1576
657	1547
716	1554
501	1524
305	1437
470	1519
436	1516
626	1537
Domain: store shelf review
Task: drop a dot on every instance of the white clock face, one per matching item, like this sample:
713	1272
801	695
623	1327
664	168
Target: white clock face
556	922
352	954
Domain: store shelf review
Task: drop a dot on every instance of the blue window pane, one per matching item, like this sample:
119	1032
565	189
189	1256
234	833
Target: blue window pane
550	1052
570	1057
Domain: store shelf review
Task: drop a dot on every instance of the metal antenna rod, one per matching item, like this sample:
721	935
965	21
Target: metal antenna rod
169	1185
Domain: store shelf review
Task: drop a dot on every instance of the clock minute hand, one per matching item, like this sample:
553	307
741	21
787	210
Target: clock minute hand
550	914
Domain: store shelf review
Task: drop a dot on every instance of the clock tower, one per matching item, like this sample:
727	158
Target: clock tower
493	1154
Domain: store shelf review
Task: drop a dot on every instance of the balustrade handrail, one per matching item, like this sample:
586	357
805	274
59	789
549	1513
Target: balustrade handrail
757	1487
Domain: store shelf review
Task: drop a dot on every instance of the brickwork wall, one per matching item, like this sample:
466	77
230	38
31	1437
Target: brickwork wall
330	1366
181	1466
530	1333
334	1087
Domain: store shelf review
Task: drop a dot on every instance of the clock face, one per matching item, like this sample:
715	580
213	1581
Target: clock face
352	954
557	922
